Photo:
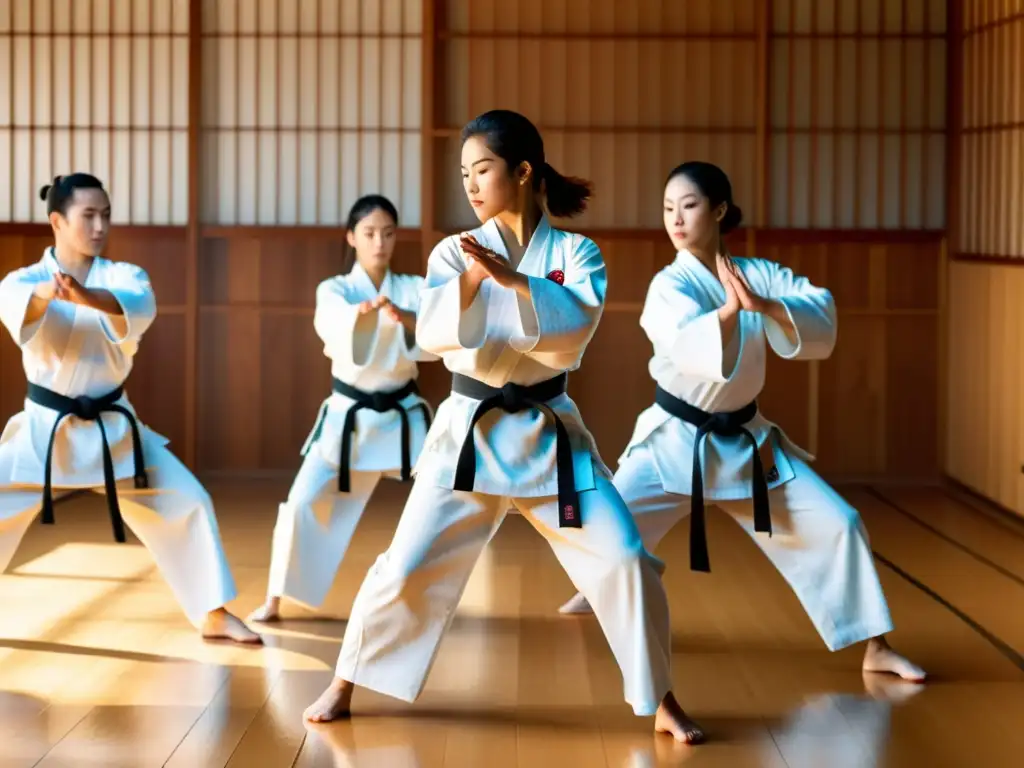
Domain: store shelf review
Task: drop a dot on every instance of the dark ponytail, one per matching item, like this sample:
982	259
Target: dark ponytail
362	208
61	192
566	195
715	186
516	140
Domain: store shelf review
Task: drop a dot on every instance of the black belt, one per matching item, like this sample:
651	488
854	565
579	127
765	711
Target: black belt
379	402
513	398
727	425
89	409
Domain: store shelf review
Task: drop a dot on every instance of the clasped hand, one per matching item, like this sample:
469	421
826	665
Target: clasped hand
64	287
388	307
484	263
738	293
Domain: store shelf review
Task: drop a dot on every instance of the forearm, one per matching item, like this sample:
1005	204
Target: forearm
37	307
469	288
777	312
728	319
105	302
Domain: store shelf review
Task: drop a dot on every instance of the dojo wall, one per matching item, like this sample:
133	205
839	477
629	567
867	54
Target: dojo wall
242	131
985	361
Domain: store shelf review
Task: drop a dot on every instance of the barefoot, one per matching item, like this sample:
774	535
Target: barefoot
577	604
332	704
880	657
269	611
671	719
890	689
221	625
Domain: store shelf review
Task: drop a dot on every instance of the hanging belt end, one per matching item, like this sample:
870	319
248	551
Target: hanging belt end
48	518
141	481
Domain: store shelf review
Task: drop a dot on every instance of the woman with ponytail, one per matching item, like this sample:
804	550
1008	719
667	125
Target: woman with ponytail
710	317
510	307
373	423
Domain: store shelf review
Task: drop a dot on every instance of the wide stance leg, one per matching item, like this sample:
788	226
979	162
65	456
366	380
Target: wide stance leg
409	595
821	548
312	534
654	512
174	520
818	544
607	561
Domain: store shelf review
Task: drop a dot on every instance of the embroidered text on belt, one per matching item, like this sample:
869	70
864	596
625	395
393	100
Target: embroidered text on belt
90	409
513	398
727	425
380	402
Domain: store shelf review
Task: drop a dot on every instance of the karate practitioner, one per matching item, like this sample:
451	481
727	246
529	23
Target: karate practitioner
710	318
78	319
373	423
510	307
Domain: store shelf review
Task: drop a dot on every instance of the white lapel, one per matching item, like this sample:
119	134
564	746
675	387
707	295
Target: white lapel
702	276
80	319
533	259
364	285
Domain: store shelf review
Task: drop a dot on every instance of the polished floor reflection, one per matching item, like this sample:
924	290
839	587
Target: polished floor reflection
99	668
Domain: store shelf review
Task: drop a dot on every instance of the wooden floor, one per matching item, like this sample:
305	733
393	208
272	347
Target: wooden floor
99	668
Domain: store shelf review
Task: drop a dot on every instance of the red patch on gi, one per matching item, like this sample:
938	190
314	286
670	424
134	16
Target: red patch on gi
557	276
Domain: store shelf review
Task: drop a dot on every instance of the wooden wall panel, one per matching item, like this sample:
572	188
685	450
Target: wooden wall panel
984	401
262	373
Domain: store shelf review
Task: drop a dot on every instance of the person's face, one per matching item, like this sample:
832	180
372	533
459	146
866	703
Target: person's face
490	188
690	221
374	240
85	228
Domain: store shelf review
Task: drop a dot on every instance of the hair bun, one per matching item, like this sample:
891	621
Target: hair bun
44	191
732	219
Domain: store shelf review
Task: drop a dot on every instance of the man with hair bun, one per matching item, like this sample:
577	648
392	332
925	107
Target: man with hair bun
78	319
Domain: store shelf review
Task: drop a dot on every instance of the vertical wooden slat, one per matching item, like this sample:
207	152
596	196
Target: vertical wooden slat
11	122
70	74
790	115
428	76
318	136
151	42
31	95
358	159
52	37
131	116
926	120
902	197
257	116
236	125
858	123
278	58
837	84
764	110
192	238
815	43
298	111
880	100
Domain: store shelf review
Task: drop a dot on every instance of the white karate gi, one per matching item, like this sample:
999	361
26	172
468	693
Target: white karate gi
410	594
372	353
77	351
818	542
